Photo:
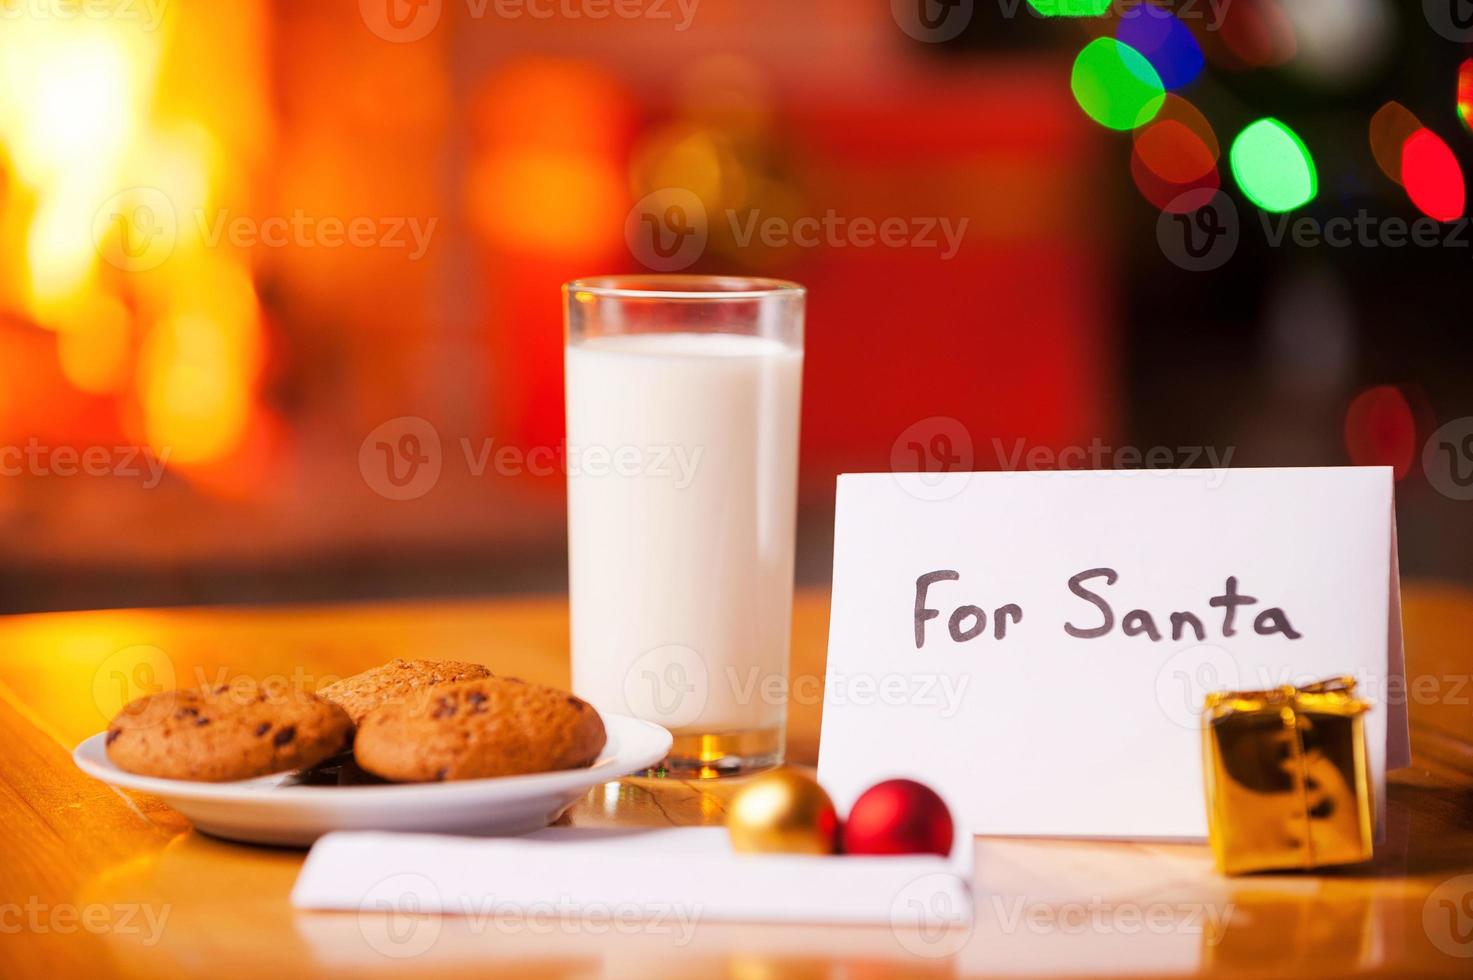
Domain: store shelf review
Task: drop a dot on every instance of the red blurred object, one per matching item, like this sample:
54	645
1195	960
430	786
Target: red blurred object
1433	179
1381	430
1465	93
1174	159
1013	337
1177	198
1253	34
898	816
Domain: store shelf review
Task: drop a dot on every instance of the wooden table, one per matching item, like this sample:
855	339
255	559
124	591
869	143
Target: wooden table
97	883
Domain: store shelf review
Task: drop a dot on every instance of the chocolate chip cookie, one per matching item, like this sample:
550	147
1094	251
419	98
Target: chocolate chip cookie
493	726
395	681
218	734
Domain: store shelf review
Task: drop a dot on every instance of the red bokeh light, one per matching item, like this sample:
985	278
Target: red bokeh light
1381	429
1182	198
1432	177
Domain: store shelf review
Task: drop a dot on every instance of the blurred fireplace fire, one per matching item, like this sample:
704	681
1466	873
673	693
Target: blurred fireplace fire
117	132
179	202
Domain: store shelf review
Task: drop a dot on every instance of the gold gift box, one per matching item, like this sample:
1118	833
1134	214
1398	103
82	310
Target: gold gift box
1287	778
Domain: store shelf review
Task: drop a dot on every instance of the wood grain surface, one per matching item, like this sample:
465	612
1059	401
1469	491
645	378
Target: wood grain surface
99	883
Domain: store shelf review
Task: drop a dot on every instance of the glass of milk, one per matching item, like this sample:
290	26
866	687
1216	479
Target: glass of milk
682	397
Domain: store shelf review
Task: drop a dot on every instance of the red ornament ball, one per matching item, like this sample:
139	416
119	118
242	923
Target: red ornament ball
898	816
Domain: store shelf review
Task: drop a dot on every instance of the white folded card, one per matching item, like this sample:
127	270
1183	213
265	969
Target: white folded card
679	877
1037	646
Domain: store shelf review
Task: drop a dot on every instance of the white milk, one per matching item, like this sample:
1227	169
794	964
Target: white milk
682	486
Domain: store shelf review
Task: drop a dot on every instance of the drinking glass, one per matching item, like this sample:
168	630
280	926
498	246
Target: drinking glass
682	400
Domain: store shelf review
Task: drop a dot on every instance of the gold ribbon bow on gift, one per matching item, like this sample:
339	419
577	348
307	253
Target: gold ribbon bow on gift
1287	779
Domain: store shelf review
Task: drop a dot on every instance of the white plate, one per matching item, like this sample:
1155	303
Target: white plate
264	811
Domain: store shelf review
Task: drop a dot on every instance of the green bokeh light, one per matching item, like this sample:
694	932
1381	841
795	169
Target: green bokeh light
1115	85
1070	8
1273	167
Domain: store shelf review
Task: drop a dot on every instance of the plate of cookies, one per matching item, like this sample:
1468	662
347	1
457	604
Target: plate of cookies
413	745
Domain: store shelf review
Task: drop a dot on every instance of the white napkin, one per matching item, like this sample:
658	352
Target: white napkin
689	872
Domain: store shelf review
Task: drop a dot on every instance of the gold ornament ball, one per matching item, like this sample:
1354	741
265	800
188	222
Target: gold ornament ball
783	812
